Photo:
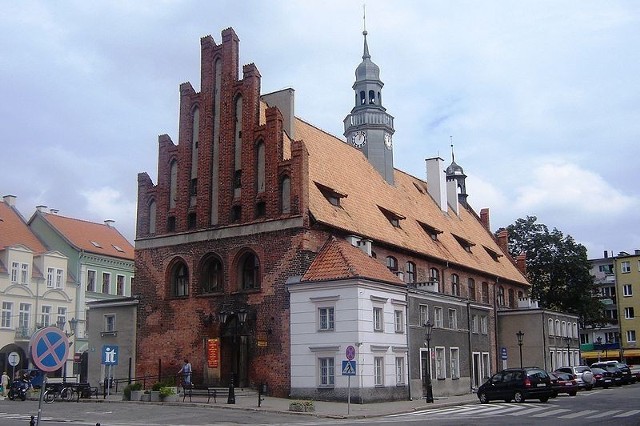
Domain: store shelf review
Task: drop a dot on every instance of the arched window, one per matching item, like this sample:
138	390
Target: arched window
485	292
211	275
455	284
551	331
363	99
512	298
237	162
411	272
285	195
173	184
260	179
558	329
249	271
152	217
472	288
520	295
179	279
392	263
372	97
193	183
500	296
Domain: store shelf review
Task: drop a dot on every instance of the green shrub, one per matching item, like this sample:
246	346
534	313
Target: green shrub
131	386
166	391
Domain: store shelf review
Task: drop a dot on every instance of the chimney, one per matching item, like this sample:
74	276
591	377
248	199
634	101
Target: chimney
484	218
42	209
436	182
361	243
284	101
10	200
637	252
109	222
503	240
53	211
452	195
521	263
606	254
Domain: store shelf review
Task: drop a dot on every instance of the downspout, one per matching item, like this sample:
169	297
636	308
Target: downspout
407	373
470	349
495	324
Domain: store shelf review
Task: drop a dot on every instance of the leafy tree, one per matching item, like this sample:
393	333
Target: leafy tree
558	270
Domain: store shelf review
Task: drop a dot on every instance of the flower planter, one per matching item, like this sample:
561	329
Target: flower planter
145	397
155	396
136	395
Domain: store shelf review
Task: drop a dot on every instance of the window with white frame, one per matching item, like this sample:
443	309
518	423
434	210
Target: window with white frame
45	316
627	290
631	335
24	274
62	315
106	282
109	323
378	319
411	272
424	314
563	329
120	285
625	267
484	324
629	312
326	371
558	329
550	327
400	380
486	365
398	321
441	366
7	313
475	324
59	278
552	360
437	317
378	371
15	267
24	316
453	319
325	318
50	277
454	360
575	330
91	280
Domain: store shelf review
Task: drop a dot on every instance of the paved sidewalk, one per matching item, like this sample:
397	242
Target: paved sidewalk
322	408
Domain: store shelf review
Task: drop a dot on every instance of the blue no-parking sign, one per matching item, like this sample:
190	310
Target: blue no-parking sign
49	349
110	355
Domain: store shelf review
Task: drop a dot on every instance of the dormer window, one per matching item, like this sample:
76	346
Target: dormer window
430	230
494	255
333	196
393	217
466	244
118	248
96	244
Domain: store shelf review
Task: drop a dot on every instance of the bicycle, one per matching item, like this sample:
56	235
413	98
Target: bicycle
58	392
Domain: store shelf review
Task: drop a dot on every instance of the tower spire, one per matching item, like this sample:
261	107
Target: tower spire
453	156
365	54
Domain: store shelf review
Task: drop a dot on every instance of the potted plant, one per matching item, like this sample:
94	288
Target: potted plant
168	394
146	396
133	392
155	392
307	406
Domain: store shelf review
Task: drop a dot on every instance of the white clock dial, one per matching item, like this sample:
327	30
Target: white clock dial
387	140
358	139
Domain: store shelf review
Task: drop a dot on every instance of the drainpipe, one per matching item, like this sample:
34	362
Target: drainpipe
495	324
470	349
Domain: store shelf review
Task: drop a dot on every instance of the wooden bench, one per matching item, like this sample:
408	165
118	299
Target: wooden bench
190	390
85	390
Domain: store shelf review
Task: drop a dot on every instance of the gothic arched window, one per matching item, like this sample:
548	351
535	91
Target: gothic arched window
249	271
211	275
179	279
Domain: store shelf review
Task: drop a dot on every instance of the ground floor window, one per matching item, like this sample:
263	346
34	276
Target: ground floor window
440	363
327	371
400	370
378	370
454	359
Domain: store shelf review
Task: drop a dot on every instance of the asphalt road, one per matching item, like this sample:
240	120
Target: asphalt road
620	406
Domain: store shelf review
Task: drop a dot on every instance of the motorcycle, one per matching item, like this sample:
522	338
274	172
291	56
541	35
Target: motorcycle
18	389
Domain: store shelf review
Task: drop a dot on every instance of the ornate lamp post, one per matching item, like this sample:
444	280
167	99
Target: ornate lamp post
520	335
568	340
427	377
72	330
241	318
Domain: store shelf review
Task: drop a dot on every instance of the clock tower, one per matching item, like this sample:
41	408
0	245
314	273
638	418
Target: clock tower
368	127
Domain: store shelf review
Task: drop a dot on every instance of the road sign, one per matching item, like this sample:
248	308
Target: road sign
110	355
350	352
49	349
14	359
348	368
503	354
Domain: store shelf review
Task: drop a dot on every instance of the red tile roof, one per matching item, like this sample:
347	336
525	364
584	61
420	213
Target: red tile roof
91	237
338	259
14	230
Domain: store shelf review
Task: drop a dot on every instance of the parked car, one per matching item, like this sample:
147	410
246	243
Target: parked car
582	373
517	384
625	371
563	383
616	373
604	378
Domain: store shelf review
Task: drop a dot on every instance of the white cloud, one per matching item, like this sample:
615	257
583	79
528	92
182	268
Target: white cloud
108	203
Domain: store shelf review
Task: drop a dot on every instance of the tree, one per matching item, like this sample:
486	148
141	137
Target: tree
558	270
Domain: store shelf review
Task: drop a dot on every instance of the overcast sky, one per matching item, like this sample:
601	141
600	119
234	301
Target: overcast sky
542	98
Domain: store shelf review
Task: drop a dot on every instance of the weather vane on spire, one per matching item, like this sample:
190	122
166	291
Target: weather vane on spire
364	18
453	157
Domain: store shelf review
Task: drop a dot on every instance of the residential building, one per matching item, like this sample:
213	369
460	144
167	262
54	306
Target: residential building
101	267
627	270
231	238
37	288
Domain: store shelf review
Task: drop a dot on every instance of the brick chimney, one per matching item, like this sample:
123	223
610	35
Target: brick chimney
484	218
10	200
503	240
521	263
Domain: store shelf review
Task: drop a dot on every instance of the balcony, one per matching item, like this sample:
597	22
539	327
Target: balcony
24	333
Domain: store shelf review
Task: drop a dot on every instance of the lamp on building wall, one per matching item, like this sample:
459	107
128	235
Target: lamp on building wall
235	331
427	377
520	335
567	339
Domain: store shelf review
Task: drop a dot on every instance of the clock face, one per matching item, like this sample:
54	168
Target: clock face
358	139
387	140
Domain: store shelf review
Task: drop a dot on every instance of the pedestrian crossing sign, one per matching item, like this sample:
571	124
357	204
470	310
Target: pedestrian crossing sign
349	368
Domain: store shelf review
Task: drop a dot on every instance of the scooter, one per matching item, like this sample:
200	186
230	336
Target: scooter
18	389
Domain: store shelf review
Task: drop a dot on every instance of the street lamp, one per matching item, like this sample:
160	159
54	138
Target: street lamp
239	321
599	341
520	335
427	377
568	340
72	330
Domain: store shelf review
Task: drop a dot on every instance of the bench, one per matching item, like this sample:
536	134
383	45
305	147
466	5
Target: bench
191	389
85	390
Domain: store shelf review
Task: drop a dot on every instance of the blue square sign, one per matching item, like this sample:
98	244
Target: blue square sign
110	355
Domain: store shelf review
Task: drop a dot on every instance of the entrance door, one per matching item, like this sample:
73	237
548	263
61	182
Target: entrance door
477	370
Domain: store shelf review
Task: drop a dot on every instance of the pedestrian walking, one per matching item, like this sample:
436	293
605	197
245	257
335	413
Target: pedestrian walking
185	371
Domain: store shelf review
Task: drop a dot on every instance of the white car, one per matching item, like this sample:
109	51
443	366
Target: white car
584	376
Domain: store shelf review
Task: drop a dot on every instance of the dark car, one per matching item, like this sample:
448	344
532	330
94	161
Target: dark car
563	383
582	374
625	371
517	384
616	373
604	378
